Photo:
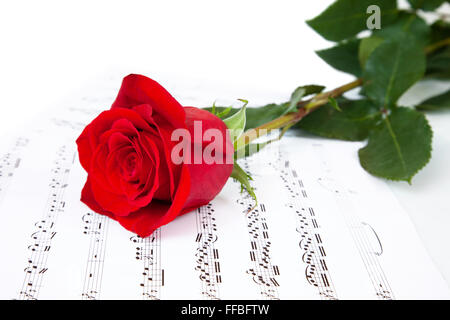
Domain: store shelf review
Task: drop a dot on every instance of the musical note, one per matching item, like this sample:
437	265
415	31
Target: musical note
311	242
207	256
96	227
263	272
45	229
148	251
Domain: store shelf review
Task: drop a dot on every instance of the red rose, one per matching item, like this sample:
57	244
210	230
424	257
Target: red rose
126	152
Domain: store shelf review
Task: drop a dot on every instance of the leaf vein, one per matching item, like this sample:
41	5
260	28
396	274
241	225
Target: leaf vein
396	144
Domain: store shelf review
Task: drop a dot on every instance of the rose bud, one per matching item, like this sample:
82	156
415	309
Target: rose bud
127	153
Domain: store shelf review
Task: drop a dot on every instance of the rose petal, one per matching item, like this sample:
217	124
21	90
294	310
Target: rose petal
158	213
137	89
111	202
87	197
207	179
89	138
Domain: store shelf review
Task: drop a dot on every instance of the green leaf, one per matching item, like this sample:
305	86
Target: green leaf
408	27
346	18
236	122
366	47
343	57
438	64
392	68
441	101
427	5
353	123
300	93
244	179
261	115
257	116
399	146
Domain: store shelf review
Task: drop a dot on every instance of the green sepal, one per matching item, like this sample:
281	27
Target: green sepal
244	179
236	122
225	112
258	116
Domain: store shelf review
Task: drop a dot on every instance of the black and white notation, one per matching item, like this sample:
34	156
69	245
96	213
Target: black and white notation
361	231
10	162
46	228
207	255
263	272
148	252
311	244
95	226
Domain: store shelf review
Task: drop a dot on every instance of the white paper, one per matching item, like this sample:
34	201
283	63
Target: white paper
323	229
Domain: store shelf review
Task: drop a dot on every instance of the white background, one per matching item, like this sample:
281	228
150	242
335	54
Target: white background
51	49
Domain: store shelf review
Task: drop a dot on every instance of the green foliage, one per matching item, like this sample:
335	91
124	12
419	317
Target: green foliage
388	62
346	18
366	48
399	146
352	123
427	5
397	62
391	69
342	57
441	101
438	64
440	30
408	27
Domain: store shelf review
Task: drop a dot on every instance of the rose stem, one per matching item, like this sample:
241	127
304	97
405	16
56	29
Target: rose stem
437	45
292	118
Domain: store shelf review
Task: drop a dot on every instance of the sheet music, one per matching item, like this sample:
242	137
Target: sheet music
323	229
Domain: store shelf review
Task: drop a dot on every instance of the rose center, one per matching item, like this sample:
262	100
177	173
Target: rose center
129	166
